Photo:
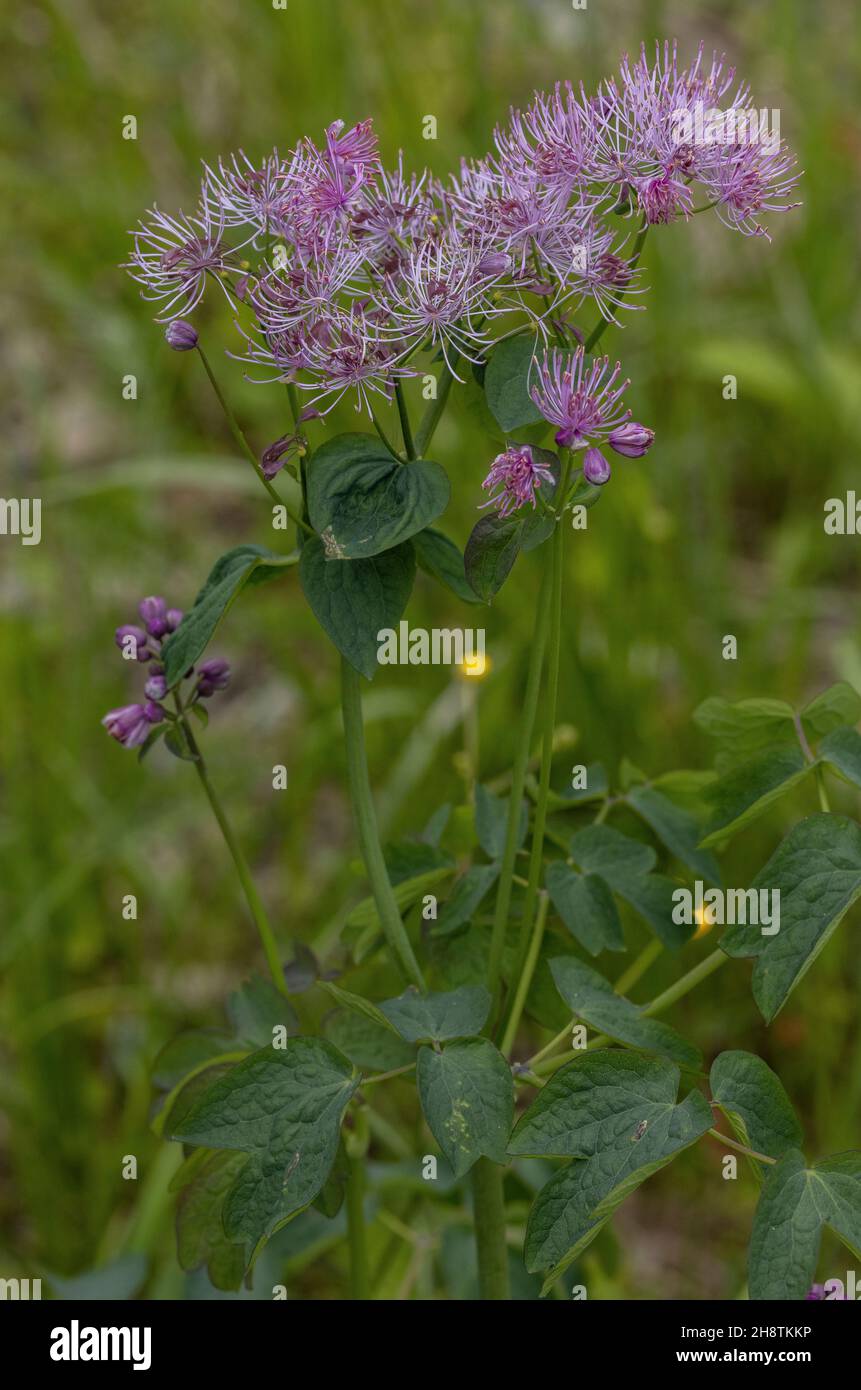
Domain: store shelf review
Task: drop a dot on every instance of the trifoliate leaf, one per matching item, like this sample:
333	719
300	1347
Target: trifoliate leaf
467	1096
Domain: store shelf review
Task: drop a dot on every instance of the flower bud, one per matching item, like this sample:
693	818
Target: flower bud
181	336
154	613
212	675
139	642
596	469
173	618
631	439
156	687
129	725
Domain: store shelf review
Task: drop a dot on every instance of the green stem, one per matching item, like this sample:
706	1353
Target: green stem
249	888
820	787
360	1284
487	1192
366	825
385	438
742	1148
638	968
404	416
245	447
525	978
518	778
686	983
433	413
554	648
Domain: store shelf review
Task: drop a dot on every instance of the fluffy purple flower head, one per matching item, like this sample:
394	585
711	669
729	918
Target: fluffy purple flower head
131	724
212	675
514	479
582	402
174	256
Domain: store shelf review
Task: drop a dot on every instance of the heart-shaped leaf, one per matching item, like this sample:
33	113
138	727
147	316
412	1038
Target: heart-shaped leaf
355	600
467	1096
796	1203
361	501
592	998
510	372
458	1013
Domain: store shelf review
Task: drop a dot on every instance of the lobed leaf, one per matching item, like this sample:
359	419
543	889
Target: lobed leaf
467	1096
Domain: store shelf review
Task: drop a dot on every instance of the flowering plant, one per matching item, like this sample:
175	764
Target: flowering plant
348	279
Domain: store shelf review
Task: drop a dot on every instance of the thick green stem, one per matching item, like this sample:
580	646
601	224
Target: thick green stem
551	688
686	983
487	1192
518	779
360	1284
366	826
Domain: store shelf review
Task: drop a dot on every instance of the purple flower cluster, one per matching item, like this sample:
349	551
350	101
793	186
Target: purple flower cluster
514	479
339	271
131	725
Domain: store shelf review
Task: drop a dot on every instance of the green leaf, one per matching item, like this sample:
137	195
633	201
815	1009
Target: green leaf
256	1008
459	1013
440	558
492	548
651	895
586	906
466	897
596	787
200	1235
371	1046
795	1204
185	1054
366	914
362	502
357	1004
599	849
506	383
330	1198
676	829
593	999
491	819
755	1103
467	1096
176	742
841	749
355	600
745	727
748	790
617	1115
283	1107
817	871
201	714
152	738
835	707
228	576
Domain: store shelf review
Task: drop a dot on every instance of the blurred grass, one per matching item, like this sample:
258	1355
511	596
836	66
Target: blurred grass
718	531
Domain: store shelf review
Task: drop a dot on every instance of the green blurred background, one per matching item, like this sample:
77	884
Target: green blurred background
718	531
